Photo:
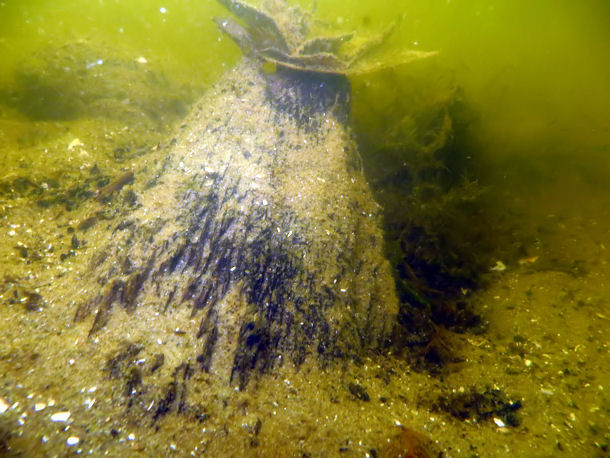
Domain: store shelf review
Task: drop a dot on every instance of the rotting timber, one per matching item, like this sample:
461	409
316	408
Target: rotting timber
258	242
266	232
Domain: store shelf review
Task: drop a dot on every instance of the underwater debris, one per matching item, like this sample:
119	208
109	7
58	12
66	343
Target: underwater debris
358	391
14	292
489	404
115	186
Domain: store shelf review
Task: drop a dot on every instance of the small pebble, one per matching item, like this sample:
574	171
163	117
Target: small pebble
499	422
72	440
3	406
39	406
60	416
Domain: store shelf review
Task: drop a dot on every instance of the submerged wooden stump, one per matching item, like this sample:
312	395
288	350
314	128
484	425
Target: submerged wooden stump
257	243
261	238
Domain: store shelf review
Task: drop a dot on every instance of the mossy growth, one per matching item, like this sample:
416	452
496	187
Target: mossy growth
437	217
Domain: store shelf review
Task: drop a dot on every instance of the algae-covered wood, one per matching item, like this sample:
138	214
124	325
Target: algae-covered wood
262	226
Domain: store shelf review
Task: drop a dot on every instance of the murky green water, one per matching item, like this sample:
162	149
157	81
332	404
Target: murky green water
517	199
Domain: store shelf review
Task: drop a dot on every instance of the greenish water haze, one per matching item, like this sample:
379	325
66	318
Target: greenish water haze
534	81
183	39
537	72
